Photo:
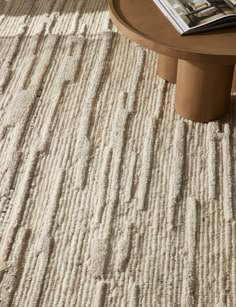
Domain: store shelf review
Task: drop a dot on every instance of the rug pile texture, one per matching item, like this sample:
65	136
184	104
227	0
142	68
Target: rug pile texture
107	197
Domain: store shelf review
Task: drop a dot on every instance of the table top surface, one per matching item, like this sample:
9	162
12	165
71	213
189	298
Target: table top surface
142	22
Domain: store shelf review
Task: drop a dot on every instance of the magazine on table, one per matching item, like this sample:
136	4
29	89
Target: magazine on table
192	16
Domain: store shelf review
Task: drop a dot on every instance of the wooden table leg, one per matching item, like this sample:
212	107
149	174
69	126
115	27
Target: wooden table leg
234	80
167	68
203	90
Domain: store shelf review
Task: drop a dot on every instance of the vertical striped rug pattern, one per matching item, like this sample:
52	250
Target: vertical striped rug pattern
107	197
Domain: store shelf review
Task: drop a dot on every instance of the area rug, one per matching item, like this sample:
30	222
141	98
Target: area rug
107	196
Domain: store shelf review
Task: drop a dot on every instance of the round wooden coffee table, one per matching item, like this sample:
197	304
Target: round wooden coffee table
202	65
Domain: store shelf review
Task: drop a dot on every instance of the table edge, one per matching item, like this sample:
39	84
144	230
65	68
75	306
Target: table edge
164	49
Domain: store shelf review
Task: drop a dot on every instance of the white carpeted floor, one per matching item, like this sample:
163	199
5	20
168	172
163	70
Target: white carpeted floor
107	197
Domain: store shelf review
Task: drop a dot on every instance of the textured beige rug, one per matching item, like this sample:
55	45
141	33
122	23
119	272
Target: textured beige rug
107	197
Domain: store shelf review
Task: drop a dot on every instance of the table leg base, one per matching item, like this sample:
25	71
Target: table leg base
203	90
167	68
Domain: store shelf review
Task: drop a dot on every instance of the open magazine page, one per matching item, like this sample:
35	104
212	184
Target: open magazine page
177	22
191	14
231	3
